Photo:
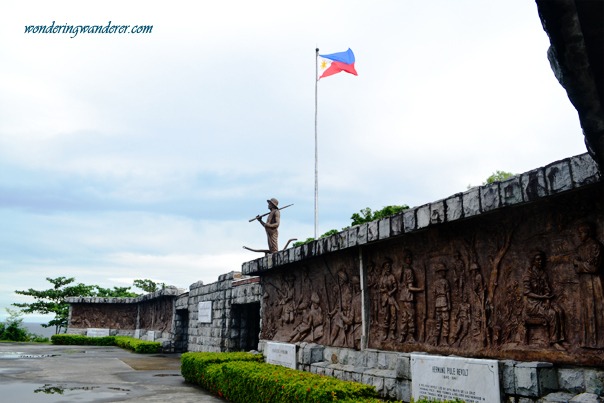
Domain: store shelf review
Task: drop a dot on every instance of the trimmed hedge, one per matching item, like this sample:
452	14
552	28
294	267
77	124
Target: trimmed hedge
79	340
136	345
239	377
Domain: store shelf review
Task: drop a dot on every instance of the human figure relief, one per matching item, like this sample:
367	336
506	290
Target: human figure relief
538	299
353	317
462	319
407	298
388	289
588	266
285	297
442	305
341	312
373	284
478	298
311	327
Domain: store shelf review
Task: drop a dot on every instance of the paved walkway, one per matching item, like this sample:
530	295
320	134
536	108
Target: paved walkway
47	373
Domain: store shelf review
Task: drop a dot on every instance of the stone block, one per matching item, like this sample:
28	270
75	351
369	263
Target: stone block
333	243
508	379
586	398
437	212
292	254
390	388
422	215
454	207
343	239
409	220
311	353
534	379
321	247
362	234
511	191
396	224
370	358
584	170
471	202
594	381
384	228
489	197
297	254
352	236
372	231
403	390
533	185
571	379
558	178
402	367
556	397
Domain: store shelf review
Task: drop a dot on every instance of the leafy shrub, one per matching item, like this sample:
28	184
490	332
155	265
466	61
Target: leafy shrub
240	376
130	343
79	340
138	346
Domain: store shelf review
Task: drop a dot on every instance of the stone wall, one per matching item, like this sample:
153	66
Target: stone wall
149	317
232	298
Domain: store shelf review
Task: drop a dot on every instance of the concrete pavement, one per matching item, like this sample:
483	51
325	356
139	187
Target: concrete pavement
47	373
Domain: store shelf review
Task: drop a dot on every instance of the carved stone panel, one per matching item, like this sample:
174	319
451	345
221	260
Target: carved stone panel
520	283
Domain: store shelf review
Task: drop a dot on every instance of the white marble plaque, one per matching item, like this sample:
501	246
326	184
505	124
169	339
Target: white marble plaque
137	333
281	354
97	332
447	378
151	335
205	312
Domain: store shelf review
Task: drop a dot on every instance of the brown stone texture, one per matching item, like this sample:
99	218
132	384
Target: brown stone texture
156	314
520	283
111	316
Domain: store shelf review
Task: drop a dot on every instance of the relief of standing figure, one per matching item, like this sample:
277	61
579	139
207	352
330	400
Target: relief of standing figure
442	305
407	298
588	266
388	289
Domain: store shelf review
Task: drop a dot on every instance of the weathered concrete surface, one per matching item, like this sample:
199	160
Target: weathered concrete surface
92	374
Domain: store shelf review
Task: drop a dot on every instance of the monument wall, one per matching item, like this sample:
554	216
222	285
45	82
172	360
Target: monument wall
510	271
149	317
218	312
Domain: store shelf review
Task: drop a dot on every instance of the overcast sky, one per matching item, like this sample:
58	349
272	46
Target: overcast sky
126	156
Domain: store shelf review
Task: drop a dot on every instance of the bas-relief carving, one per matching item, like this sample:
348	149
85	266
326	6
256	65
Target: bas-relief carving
103	316
527	285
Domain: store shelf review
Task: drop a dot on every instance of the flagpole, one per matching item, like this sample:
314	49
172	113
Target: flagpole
316	144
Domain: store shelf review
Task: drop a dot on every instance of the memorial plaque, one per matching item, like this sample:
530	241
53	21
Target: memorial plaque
281	354
96	332
447	378
205	312
137	334
151	335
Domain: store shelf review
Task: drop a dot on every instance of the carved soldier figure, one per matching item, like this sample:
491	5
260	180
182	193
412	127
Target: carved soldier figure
341	312
286	301
442	305
538	298
312	322
407	298
271	225
588	266
478	296
388	289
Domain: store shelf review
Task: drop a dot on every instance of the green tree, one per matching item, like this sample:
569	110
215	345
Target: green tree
52	301
498	176
12	328
121	292
149	286
366	215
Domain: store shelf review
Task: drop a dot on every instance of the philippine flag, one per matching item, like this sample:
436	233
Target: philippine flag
336	62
